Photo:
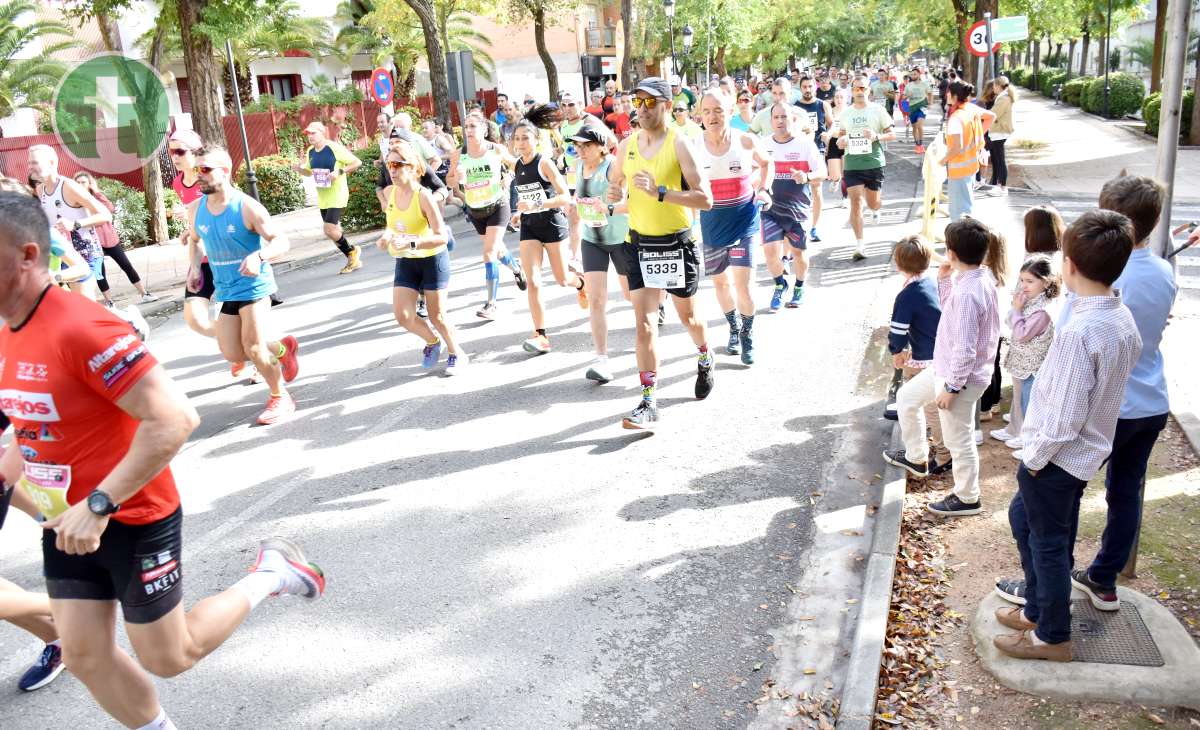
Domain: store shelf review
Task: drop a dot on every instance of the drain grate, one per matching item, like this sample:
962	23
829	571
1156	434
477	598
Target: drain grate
1112	637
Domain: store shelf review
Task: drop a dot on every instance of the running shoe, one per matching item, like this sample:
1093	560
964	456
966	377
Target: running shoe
519	275
430	355
875	217
147	298
279	408
644	417
300	577
747	348
919	149
797	298
1002	434
1104	598
456	363
704	379
599	371
353	261
812	236
777	297
48	666
952	506
734	346
581	297
487	311
1018	455
422	309
537	345
289	363
662	314
237	368
858	255
1015	443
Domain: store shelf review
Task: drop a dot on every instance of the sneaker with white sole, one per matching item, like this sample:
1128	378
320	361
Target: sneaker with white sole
1015	443
599	371
299	577
952	506
1104	598
48	666
1002	434
1018	455
456	363
1011	590
898	458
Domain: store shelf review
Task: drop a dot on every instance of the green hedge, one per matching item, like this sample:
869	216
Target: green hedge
1073	90
1126	93
362	211
1152	113
1019	74
280	188
131	218
1051	79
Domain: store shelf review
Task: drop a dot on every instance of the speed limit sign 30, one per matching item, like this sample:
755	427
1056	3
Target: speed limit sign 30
977	40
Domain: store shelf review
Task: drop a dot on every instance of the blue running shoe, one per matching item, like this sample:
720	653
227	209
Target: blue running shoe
777	298
812	236
431	353
747	348
797	297
48	666
734	346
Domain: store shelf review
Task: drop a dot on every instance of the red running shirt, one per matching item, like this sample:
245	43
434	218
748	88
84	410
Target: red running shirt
61	374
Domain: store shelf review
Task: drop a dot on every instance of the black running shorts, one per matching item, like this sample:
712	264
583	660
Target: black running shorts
207	288
872	179
692	265
139	565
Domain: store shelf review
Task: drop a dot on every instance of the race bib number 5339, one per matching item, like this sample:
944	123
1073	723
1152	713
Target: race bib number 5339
662	269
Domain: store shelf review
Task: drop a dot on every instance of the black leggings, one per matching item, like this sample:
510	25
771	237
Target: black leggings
117	253
999	166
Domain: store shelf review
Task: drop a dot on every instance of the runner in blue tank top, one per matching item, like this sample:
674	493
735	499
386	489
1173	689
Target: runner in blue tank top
239	238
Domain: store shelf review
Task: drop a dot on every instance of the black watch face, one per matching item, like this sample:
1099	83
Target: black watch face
99	504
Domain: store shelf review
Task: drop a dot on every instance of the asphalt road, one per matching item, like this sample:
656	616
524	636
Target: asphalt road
500	553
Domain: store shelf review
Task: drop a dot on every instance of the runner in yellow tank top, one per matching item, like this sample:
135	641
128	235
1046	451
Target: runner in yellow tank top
416	237
653	165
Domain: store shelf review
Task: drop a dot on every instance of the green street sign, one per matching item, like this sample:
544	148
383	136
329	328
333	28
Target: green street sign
1014	28
111	113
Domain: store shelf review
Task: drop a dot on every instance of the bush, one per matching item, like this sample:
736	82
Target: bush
362	211
1018	75
1051	79
1074	88
280	188
1125	95
1152	113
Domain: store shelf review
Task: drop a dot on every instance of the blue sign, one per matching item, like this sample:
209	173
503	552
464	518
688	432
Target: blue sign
381	86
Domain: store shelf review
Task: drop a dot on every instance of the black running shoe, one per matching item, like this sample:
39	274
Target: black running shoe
952	506
644	417
704	379
1011	590
942	468
519	275
897	458
1103	598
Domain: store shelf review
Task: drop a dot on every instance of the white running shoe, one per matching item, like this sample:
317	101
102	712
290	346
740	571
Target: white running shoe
875	217
1018	455
1002	434
285	558
147	298
599	371
1015	443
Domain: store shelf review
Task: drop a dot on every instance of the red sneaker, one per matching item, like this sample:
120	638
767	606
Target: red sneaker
236	368
289	363
279	408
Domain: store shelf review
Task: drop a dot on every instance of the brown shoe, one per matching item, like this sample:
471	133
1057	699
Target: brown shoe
1013	617
1021	646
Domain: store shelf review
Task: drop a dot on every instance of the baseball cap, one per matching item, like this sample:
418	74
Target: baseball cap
675	80
589	133
188	138
655	86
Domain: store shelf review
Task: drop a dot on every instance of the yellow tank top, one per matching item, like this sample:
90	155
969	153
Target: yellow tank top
647	216
409	223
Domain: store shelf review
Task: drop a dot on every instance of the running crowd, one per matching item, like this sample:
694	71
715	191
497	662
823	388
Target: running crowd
632	184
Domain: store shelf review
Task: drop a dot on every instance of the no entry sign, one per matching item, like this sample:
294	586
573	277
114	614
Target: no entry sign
977	39
381	86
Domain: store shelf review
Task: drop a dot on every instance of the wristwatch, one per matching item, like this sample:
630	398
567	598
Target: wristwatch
101	504
412	245
662	192
75	225
611	208
949	389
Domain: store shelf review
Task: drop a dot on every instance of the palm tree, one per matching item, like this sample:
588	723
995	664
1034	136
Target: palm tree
29	82
400	44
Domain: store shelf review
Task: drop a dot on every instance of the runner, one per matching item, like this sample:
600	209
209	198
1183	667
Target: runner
739	172
682	123
835	155
654	165
73	211
478	166
541	195
825	88
743	116
238	234
328	163
681	95
919	95
417	238
818	112
573	120
114	524
605	227
798	170
883	90
862	128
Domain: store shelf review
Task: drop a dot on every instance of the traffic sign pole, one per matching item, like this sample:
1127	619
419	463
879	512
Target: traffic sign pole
987	24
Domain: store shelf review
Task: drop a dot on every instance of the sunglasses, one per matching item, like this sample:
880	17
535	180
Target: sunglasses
179	152
529	102
648	102
206	170
392	165
743	100
569	104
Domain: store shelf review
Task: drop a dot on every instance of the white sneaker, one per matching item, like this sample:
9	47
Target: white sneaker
875	217
1007	418
148	297
1018	455
978	437
599	371
1001	434
1015	443
298	577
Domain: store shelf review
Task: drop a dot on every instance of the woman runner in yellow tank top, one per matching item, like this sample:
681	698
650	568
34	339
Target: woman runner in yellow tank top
416	237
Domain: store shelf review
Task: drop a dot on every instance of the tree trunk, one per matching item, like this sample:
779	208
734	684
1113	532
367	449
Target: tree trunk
719	62
1071	52
1029	53
1160	34
243	84
1102	56
627	31
204	76
1194	134
539	40
407	89
963	18
438	82
1037	62
1087	41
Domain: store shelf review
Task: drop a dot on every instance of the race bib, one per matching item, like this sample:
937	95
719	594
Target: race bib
858	145
813	123
592	212
46	485
531	193
661	269
322	177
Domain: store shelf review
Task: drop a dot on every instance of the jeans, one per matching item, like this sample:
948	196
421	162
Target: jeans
958	428
1043	516
1026	391
999	164
959	190
1132	443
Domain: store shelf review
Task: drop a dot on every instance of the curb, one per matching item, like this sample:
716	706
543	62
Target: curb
1190	424
866	650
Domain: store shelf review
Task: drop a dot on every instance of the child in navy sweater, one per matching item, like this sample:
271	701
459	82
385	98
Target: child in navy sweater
915	317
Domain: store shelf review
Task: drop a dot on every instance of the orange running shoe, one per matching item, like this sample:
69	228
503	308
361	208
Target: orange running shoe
236	368
279	408
289	363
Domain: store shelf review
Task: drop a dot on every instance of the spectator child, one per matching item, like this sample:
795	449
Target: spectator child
1032	333
915	317
964	349
1068	432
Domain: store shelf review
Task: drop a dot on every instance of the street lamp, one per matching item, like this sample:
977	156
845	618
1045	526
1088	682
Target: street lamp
688	35
669	9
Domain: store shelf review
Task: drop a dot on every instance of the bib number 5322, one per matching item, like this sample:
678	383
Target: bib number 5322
662	269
